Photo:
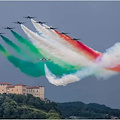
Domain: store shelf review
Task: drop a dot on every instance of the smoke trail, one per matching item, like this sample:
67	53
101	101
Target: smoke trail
19	50
77	76
64	54
71	72
62	81
66	41
81	48
51	35
89	52
28	44
111	58
34	69
58	70
70	78
28	47
45	31
3	51
39	52
26	67
10	43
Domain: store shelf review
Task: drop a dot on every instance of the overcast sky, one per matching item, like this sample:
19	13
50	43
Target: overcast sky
97	23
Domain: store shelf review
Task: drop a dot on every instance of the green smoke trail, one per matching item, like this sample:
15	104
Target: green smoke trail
58	70
3	51
26	43
33	69
40	53
60	62
26	67
37	69
57	66
13	45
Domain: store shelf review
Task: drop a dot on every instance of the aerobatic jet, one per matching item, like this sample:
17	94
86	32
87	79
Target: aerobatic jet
9	28
29	17
52	28
40	22
2	33
44	59
64	33
75	39
18	22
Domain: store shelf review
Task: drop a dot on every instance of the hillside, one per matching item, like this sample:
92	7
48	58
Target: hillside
21	106
28	107
87	111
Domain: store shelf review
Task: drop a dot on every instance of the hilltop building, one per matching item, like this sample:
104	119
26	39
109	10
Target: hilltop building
37	91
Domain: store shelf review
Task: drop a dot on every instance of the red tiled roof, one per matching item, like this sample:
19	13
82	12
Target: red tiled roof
28	87
33	87
10	86
5	83
20	85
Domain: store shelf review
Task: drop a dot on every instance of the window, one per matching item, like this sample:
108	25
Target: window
23	89
36	90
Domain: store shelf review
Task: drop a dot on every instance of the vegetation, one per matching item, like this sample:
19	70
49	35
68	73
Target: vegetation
28	107
21	106
87	111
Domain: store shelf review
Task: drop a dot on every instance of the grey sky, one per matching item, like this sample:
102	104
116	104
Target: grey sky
97	23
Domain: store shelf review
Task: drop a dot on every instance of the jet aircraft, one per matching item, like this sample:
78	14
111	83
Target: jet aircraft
64	33
52	28
2	33
9	28
75	39
18	22
40	22
29	17
44	59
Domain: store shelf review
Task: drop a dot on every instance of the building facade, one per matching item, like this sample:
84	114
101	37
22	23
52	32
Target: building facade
37	91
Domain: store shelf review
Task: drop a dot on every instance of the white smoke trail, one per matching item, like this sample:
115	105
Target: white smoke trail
43	29
61	53
60	81
70	78
52	35
80	74
49	36
111	58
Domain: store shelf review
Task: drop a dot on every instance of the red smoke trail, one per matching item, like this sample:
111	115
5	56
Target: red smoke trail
116	68
91	54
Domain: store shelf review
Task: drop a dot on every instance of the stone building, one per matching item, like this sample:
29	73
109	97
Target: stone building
37	91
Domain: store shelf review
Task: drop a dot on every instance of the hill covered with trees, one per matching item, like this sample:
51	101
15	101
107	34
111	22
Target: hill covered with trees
21	106
87	111
14	106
